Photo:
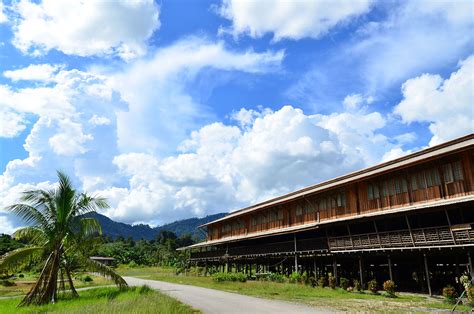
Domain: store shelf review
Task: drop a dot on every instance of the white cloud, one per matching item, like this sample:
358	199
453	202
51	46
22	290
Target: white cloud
3	16
85	28
156	90
356	101
96	120
289	19
447	105
70	139
33	72
223	167
11	123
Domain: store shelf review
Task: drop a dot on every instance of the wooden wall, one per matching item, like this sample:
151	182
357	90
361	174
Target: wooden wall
447	177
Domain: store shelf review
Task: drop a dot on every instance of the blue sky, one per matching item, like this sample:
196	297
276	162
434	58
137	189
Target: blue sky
175	109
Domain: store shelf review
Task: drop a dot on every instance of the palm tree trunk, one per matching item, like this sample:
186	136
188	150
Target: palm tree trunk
71	284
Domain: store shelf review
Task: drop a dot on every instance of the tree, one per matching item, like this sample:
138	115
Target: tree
58	235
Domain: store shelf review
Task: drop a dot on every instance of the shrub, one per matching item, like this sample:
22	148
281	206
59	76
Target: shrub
450	294
343	283
276	277
6	283
372	286
21	276
144	289
312	281
357	285
220	277
87	278
322	282
332	282
389	287
295	277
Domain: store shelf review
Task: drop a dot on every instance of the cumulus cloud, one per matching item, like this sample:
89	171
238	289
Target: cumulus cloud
447	105
156	90
33	72
85	28
222	167
11	123
289	19
3	16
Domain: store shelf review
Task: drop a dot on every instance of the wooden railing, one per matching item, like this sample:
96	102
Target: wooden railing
439	236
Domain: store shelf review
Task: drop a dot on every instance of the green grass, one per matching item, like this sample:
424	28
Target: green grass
331	299
23	285
106	300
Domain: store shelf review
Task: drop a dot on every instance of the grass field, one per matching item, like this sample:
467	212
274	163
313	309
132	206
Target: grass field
335	299
23	285
106	300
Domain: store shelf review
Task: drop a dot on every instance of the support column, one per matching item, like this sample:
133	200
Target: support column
205	270
390	267
315	269
296	255
361	273
469	260
427	274
334	268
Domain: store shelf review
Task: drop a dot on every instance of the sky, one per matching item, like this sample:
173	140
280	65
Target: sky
177	109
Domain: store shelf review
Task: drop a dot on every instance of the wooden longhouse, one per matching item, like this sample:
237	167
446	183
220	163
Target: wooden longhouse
409	219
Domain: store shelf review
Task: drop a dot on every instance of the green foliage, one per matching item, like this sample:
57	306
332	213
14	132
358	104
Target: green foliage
357	285
295	277
332	282
450	294
87	278
21	276
322	282
8	244
144	289
6	283
343	283
275	277
373	286
221	277
389	287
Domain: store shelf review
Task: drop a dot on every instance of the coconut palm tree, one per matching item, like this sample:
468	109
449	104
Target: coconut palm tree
58	229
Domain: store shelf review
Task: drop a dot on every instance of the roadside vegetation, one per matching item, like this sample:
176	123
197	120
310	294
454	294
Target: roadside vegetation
281	288
106	300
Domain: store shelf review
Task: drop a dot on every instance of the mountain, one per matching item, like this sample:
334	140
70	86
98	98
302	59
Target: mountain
180	227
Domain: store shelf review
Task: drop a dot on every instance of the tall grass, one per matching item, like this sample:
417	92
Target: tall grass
134	300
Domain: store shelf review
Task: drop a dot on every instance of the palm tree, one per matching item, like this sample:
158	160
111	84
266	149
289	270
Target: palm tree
57	231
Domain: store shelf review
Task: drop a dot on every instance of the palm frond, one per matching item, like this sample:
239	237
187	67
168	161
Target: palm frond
29	214
17	257
33	235
90	227
105	271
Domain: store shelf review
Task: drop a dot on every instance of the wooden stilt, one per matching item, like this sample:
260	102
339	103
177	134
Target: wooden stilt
390	267
296	255
334	268
427	274
361	273
469	260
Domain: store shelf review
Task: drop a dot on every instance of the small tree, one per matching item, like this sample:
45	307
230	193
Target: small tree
389	287
357	285
372	286
322	282
332	282
450	294
343	283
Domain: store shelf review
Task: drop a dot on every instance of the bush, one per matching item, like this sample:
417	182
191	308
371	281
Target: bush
332	282
144	289
276	277
295	277
372	286
6	283
343	283
87	278
221	277
389	287
312	281
322	282
357	285
450	294
21	276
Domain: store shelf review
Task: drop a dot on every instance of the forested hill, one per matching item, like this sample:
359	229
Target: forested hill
186	226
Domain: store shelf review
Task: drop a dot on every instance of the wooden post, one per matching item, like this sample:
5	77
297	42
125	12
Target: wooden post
350	235
296	255
205	270
409	229
361	273
471	272
315	269
449	225
334	268
377	231
427	273
390	267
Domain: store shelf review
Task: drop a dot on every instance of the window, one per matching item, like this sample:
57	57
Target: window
385	190
299	211
254	221
432	177
280	214
308	209
322	204
414	185
457	171
452	172
341	200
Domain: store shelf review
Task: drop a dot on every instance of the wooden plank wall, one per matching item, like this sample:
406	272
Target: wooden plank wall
429	181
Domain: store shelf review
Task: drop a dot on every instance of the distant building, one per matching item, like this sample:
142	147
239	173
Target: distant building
109	261
410	219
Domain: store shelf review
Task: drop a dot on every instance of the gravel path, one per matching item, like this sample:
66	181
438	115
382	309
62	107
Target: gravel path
216	301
